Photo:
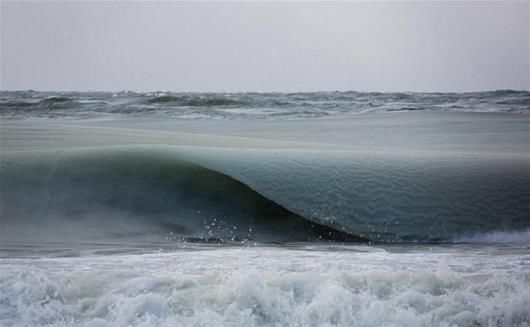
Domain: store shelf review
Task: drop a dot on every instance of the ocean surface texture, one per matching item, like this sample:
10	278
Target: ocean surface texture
264	209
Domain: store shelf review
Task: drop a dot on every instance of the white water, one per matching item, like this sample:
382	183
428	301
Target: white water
273	286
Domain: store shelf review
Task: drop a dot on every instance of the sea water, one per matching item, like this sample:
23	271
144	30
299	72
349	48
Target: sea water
304	209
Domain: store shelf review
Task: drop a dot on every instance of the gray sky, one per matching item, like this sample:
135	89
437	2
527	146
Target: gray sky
410	46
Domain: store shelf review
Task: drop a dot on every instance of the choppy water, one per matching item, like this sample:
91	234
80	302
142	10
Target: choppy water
22	104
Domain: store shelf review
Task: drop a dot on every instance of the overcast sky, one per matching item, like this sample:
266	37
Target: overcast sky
365	46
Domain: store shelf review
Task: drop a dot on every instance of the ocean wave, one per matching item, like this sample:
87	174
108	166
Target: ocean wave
54	99
194	101
46	103
230	195
123	195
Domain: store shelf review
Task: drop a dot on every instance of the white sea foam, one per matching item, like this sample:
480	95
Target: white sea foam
346	286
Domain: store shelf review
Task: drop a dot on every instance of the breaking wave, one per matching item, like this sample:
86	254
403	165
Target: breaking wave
214	195
105	196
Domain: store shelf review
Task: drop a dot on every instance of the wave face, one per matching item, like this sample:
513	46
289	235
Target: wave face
26	104
124	195
229	195
389	197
